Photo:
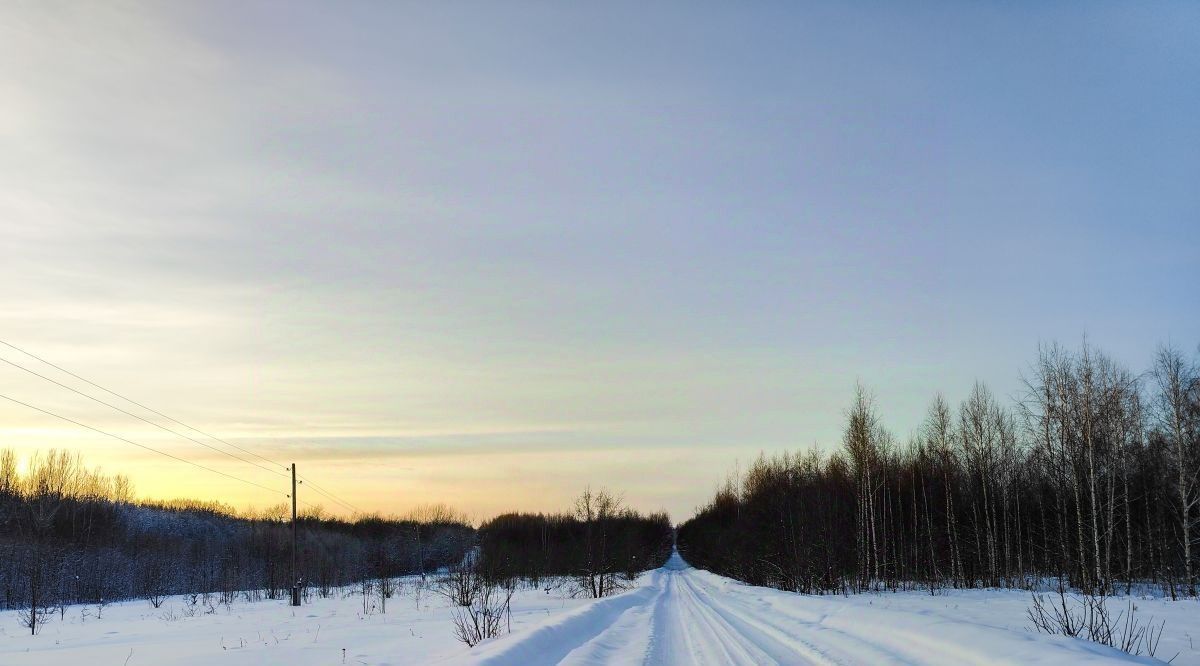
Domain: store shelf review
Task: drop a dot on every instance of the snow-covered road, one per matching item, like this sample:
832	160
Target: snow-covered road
689	617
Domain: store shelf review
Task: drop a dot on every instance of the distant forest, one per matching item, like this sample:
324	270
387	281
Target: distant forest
71	535
600	543
1090	476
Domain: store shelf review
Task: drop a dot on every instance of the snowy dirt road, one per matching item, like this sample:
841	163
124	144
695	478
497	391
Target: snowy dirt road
689	617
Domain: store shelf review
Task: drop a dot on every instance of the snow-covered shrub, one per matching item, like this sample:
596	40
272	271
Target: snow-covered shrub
488	612
1088	617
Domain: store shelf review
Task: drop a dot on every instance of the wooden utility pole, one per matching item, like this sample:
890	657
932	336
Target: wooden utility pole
295	581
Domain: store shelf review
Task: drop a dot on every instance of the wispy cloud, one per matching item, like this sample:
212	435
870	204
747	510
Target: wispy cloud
621	245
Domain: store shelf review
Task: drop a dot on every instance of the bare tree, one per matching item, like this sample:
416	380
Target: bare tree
460	583
488	613
598	575
865	442
1177	380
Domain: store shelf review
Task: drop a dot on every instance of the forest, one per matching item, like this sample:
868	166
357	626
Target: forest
1088	478
70	535
600	542
596	550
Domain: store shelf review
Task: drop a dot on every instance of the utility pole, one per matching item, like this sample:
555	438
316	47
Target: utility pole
295	581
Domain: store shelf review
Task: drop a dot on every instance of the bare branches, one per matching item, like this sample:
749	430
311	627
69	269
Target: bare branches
1089	617
486	614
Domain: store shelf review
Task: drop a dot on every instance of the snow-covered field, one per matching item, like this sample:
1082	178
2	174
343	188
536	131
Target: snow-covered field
675	615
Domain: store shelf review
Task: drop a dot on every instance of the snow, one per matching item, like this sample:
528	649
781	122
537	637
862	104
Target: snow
684	616
674	615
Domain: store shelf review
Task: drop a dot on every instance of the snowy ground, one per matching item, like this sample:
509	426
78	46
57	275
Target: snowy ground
676	615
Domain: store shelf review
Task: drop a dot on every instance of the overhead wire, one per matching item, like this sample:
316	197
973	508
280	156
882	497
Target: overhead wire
142	446
144	420
321	491
135	402
328	495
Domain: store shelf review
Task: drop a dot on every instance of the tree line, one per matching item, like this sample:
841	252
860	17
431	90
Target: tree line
72	535
1088	477
600	544
598	549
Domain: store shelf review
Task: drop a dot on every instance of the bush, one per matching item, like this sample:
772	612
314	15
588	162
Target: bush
1088	617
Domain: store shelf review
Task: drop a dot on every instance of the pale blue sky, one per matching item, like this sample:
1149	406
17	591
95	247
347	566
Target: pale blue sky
560	244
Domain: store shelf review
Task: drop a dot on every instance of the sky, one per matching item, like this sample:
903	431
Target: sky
488	254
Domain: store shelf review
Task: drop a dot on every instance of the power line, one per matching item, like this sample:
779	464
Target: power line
313	488
141	446
318	489
329	495
145	420
135	402
149	448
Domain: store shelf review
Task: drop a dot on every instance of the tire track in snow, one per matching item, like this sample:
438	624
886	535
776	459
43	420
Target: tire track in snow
694	634
667	622
783	643
870	644
685	616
